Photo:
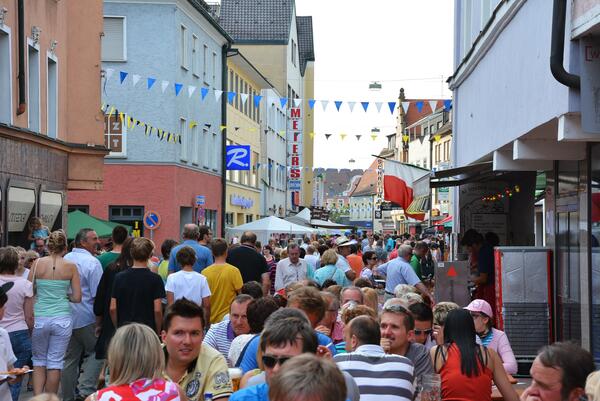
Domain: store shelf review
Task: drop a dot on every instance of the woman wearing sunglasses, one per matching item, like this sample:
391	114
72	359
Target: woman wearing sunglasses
370	261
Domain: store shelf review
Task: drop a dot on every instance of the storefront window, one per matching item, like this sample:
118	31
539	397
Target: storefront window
595	247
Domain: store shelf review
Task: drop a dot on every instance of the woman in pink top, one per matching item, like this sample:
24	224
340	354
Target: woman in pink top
482	315
18	315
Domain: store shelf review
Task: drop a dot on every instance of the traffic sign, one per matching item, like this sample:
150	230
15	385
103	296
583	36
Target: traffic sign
151	220
200	200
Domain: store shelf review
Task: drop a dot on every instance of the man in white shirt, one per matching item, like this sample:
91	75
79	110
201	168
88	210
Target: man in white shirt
311	258
343	249
290	269
85	323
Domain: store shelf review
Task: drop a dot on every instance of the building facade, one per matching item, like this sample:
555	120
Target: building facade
177	176
244	199
51	137
523	86
279	45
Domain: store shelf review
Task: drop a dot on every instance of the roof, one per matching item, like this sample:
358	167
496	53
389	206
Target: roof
208	13
368	182
414	115
306	48
335	181
257	21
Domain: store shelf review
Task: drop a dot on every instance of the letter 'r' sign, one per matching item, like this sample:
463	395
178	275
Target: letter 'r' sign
238	157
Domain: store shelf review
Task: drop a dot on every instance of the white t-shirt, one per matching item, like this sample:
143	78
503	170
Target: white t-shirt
191	285
7	358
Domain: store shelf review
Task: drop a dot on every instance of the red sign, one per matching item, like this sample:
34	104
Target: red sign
451	272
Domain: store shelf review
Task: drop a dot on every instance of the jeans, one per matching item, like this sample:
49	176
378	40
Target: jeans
21	345
82	344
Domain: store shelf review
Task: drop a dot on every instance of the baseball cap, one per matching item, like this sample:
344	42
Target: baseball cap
479	305
4	288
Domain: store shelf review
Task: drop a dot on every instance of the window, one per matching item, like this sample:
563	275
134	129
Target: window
34	87
185	140
81	208
254	176
439	125
195	144
230	82
229	219
294	52
195	56
214	157
115	135
432	129
425	130
205	64
5	78
236	89
467	10
114	42
183	47
245	105
128	215
214	69
52	102
207	149
248	218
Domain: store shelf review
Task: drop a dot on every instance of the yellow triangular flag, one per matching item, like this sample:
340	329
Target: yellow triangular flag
252	129
223	127
110	113
405	138
343	136
282	132
437	137
311	134
374	137
129	122
193	124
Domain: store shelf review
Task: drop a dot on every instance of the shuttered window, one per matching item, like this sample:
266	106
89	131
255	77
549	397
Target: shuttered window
113	41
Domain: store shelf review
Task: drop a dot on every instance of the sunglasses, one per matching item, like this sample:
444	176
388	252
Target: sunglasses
271	361
427	332
373	258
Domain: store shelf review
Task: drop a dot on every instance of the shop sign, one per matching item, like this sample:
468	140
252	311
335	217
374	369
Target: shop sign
237	157
295	152
443	194
379	196
200	200
244	203
50	206
20	204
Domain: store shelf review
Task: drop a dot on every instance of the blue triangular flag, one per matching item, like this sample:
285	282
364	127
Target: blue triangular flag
204	92
283	101
338	104
230	96
151	82
123	75
365	105
257	100
311	103
419	105
447	104
178	88
392	106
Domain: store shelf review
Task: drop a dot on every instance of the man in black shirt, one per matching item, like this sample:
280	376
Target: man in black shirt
251	264
137	292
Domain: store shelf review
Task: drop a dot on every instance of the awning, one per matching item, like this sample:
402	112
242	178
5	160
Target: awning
20	204
460	175
447	219
50	206
418	207
78	220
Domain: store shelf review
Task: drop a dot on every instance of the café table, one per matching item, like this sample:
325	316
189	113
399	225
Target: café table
520	386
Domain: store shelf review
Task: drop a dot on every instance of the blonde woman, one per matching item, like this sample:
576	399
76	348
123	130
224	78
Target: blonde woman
52	277
136	363
329	271
371	298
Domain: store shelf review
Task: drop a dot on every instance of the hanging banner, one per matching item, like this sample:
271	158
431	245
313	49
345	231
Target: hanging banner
295	153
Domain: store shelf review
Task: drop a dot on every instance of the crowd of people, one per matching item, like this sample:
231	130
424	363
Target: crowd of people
351	317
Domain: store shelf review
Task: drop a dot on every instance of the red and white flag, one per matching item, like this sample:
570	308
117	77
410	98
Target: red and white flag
398	179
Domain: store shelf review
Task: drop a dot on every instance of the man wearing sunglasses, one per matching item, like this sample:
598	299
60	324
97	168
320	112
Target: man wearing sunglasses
423	324
287	333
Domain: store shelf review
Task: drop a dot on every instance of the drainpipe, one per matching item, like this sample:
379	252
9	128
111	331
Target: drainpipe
21	76
225	50
559	14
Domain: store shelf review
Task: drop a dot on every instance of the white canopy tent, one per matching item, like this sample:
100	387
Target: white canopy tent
268	226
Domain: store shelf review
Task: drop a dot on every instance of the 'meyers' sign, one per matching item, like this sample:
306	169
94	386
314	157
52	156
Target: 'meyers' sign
295	153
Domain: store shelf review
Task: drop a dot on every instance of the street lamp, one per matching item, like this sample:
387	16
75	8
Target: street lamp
375	86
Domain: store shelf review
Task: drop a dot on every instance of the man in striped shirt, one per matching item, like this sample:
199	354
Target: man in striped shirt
377	374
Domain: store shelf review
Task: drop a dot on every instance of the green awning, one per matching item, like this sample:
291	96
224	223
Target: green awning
77	220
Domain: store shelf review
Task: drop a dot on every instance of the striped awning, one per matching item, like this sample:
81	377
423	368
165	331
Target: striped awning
418	207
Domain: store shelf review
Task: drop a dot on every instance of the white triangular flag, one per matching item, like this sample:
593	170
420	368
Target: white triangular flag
351	105
297	102
191	90
243	98
109	73
164	85
433	105
218	94
405	106
324	103
135	78
378	105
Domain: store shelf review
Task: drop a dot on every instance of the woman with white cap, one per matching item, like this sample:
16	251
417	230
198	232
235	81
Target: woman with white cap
492	338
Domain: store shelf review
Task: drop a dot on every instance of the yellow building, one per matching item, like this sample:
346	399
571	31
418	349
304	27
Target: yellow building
243	128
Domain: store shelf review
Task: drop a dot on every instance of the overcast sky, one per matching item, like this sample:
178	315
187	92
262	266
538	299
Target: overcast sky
401	43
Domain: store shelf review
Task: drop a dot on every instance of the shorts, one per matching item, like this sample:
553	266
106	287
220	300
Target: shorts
50	339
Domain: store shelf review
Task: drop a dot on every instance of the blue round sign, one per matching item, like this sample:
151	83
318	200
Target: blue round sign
151	220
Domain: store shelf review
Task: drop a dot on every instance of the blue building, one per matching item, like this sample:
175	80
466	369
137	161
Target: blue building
163	68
